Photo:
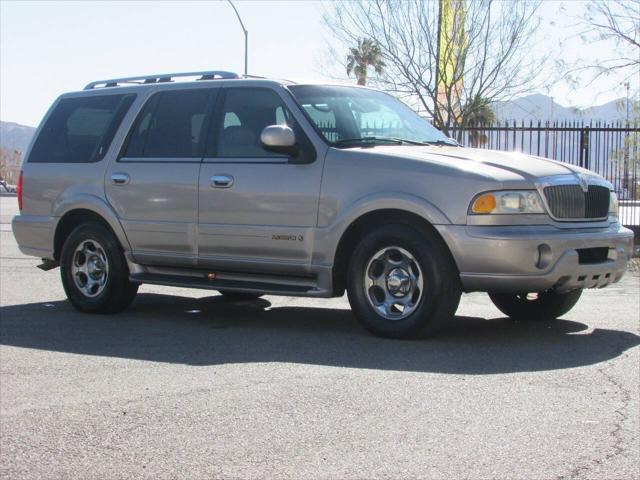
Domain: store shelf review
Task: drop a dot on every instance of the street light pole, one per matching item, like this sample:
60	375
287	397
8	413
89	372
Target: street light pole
246	37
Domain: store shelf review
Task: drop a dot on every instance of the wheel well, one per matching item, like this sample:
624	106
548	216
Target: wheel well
71	220
364	224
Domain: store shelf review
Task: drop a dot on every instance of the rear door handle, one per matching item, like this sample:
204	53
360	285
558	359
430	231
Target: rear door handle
120	178
221	181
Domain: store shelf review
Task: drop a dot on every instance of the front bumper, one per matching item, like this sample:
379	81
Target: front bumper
516	259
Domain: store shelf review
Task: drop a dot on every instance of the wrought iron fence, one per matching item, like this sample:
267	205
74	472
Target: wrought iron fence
610	149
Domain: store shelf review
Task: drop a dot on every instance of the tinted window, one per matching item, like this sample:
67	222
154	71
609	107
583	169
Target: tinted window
80	130
170	125
137	137
245	113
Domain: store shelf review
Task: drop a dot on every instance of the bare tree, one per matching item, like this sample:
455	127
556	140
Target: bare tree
484	55
617	21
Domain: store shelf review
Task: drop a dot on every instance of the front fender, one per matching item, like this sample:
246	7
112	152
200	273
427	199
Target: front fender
328	237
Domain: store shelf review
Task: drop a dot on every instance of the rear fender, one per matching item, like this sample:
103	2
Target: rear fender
96	205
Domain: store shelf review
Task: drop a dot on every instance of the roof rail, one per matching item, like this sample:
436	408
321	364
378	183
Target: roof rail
167	77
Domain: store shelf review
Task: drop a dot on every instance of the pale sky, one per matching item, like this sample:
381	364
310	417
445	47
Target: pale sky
47	48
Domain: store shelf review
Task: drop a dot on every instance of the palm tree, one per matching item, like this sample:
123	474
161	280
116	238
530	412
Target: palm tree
480	115
366	54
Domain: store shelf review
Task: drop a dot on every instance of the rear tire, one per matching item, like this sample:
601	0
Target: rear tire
545	306
402	282
239	296
94	271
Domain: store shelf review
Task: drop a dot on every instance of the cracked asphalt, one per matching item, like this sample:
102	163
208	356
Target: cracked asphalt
186	385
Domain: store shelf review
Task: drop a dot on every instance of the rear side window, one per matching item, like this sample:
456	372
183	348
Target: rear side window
170	126
80	130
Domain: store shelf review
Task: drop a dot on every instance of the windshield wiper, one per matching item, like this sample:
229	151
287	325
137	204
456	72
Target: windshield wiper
371	141
442	143
410	142
427	142
368	140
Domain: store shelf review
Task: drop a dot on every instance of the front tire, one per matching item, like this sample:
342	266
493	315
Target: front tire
541	306
94	271
402	282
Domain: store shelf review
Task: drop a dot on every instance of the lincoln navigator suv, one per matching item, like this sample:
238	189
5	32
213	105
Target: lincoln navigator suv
252	186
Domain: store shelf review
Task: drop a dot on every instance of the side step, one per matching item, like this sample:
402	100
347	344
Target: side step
189	281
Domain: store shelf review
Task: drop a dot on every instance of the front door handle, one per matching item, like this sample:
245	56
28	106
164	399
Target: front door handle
221	181
120	178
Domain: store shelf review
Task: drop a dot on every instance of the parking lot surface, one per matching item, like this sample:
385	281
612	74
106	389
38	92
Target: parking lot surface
186	385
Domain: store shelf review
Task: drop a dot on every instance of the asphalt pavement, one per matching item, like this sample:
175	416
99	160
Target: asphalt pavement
187	385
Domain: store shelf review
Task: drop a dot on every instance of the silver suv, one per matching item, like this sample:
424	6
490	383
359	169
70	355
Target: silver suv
252	186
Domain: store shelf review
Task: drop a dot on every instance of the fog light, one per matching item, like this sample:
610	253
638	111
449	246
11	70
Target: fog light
544	256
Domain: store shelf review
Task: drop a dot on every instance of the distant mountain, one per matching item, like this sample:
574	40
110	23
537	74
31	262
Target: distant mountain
541	107
14	136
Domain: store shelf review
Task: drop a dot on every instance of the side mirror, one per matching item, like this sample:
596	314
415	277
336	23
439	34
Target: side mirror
279	138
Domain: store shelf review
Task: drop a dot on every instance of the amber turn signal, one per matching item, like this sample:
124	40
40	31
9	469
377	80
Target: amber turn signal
484	203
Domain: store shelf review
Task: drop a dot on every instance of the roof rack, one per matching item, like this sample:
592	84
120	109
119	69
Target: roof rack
167	77
258	77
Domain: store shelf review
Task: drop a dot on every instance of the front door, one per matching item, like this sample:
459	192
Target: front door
257	210
154	185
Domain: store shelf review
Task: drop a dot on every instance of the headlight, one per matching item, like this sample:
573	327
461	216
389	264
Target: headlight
613	205
507	202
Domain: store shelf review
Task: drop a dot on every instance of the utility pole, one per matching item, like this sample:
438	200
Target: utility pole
246	37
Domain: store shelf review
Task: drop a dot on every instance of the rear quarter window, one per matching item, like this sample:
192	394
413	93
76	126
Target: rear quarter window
80	130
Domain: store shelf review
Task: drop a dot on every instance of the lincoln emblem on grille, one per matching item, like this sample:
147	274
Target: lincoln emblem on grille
584	183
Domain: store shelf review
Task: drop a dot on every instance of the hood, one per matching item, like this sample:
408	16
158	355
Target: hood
491	163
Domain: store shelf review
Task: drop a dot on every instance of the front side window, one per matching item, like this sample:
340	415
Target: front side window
170	126
80	130
245	113
346	116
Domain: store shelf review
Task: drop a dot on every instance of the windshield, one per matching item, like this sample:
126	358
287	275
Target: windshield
349	116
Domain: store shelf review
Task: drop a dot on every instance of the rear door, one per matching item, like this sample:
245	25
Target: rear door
153	186
258	211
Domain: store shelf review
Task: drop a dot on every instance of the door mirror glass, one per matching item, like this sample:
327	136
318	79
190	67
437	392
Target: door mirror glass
276	137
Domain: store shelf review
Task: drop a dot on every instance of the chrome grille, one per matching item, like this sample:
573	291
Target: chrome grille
571	202
597	202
